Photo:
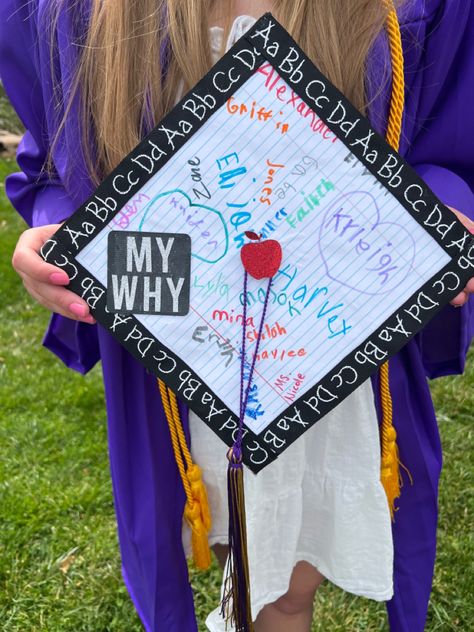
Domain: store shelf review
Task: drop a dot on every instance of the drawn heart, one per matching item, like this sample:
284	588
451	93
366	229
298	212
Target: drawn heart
359	250
205	225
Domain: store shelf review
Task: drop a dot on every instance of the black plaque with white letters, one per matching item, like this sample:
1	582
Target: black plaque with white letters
148	273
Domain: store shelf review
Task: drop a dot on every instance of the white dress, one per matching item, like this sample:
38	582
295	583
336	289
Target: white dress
320	501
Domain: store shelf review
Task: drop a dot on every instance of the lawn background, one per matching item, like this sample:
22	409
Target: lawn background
59	561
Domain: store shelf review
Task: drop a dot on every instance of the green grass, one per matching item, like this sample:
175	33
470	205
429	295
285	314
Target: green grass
59	562
8	119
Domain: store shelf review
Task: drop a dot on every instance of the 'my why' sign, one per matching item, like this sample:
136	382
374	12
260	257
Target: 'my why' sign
148	273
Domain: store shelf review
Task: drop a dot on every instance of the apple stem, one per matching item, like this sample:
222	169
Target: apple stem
253	236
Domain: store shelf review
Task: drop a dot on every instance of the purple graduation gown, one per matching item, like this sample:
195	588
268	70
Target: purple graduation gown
438	136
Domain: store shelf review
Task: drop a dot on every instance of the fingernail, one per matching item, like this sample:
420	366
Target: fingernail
90	320
78	310
59	278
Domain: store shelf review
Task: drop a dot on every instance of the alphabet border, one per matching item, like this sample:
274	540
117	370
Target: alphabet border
267	41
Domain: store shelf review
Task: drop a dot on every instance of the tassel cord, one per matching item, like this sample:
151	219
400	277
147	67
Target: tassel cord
177	446
236	603
243	405
196	511
243	355
390	474
397	99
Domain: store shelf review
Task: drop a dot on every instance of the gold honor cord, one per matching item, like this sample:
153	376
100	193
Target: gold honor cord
390	474
397	100
196	511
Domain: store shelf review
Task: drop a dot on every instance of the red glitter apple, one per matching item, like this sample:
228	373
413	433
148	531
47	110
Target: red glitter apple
261	259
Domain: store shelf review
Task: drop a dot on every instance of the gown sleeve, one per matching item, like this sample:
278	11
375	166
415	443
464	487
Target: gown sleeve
39	199
441	130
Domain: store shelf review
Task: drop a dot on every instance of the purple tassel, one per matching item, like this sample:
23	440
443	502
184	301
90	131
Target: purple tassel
235	604
236	601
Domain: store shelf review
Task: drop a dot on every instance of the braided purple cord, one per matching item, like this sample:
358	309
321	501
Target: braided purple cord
242	351
259	337
237	447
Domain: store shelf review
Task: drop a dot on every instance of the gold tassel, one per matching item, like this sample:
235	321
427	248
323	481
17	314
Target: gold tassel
196	510
390	474
199	493
198	516
390	471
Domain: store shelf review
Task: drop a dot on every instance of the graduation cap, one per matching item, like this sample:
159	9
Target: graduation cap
262	252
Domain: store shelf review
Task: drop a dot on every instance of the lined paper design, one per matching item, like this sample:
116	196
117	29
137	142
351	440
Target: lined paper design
351	252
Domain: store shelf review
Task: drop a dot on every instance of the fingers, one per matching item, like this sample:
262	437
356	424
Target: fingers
59	300
460	299
468	223
470	287
74	311
26	259
43	280
463	297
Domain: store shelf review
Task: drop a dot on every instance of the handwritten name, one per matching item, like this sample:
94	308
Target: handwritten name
267	190
200	190
311	201
256	113
280	354
222	315
288	97
290	385
216	285
203	334
122	219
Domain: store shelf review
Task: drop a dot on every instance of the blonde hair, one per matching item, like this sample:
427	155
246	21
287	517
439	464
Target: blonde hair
123	91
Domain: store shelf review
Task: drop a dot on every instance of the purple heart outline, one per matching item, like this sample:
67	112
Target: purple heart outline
345	230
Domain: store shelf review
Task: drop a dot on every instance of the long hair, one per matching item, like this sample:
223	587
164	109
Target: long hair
120	81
